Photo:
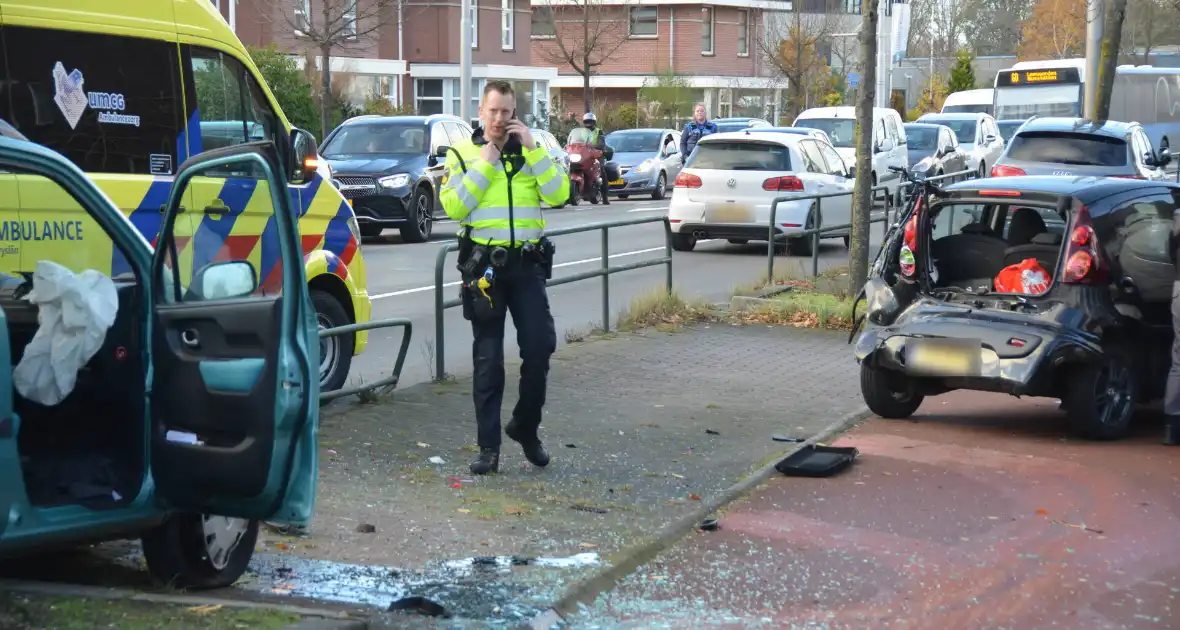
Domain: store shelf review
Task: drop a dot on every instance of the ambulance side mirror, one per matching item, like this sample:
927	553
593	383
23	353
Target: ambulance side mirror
305	154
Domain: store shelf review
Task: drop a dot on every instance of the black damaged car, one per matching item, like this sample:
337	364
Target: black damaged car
391	168
1093	331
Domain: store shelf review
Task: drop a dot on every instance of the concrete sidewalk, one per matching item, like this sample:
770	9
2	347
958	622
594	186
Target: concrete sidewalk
643	428
984	513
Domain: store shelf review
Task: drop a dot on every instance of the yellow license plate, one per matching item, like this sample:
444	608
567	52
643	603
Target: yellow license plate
616	182
731	213
942	357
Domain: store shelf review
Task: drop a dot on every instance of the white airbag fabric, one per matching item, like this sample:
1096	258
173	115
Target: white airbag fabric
75	311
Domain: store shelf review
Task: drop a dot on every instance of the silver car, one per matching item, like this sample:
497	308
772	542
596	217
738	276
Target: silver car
648	161
1073	147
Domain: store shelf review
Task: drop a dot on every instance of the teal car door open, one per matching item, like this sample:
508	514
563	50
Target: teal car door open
234	390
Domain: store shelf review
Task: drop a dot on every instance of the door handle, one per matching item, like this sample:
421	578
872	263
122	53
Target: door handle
179	209
190	338
218	211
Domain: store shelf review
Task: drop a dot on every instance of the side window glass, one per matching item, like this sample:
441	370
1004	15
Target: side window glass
231	107
836	165
950	220
108	103
815	160
438	137
454	133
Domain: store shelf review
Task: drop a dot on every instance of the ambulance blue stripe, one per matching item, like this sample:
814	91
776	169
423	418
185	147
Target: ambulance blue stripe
146	218
196	143
337	235
211	233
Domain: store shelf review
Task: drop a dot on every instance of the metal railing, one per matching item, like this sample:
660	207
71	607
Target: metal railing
389	382
604	271
818	232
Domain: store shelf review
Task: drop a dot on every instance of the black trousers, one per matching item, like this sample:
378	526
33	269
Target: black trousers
521	284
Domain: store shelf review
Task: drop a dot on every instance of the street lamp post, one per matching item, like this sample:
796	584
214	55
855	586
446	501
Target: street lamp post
465	62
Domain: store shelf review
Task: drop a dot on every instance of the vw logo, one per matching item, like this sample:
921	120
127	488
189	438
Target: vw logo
732	183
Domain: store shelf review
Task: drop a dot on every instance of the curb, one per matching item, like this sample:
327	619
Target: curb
631	559
329	618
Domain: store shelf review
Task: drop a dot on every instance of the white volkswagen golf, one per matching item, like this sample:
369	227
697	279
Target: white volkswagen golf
730	180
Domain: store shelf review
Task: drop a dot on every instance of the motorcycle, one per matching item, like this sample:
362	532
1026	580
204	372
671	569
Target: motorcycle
586	166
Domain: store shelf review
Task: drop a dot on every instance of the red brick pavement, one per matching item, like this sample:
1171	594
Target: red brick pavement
984	512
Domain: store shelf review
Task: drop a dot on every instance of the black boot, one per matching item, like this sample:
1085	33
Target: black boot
1172	430
487	462
534	451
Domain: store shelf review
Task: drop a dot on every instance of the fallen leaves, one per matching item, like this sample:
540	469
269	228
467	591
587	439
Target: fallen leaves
694	497
206	609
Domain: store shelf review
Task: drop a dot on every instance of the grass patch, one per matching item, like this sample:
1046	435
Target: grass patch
30	612
581	334
796	274
803	309
663	311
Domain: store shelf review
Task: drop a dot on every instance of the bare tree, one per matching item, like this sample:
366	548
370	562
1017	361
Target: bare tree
862	196
1112	35
994	25
937	27
797	47
1149	25
586	33
331	25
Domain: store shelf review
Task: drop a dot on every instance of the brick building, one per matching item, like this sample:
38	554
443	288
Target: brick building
411	55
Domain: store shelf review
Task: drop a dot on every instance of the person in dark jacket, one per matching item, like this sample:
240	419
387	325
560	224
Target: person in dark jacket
1172	389
698	128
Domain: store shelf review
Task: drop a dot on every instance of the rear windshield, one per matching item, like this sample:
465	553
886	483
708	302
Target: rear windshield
922	138
980	108
1060	147
841	131
740	156
1009	128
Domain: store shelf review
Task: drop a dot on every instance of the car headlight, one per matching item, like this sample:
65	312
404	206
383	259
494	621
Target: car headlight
644	166
575	157
394	181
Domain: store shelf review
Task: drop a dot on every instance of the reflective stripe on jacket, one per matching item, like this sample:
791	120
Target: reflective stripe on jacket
502	209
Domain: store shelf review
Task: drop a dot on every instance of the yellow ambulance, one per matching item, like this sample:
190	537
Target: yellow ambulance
128	91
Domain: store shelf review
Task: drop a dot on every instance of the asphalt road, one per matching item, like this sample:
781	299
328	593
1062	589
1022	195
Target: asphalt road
401	282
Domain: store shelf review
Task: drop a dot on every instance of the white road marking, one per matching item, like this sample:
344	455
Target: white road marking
663	209
382	296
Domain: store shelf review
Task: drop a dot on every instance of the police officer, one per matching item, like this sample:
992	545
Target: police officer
590	121
699	127
494	186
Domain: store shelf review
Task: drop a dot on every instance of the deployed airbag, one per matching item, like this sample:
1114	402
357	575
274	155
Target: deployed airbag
74	313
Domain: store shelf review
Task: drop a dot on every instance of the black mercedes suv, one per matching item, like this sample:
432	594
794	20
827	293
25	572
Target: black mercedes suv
391	168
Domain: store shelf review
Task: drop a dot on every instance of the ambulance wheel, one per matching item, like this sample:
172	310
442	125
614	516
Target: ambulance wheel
199	551
335	352
420	220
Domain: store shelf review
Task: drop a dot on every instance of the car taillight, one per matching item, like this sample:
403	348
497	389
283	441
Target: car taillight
786	182
688	180
999	170
1084	263
908	259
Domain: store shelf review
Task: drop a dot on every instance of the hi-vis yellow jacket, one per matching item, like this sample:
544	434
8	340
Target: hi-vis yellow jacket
501	202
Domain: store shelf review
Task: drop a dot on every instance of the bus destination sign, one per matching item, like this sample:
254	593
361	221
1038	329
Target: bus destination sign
1048	76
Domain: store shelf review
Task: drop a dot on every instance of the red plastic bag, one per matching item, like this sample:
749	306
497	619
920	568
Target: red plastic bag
1027	277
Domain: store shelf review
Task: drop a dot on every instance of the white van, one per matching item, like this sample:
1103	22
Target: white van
969	102
889	141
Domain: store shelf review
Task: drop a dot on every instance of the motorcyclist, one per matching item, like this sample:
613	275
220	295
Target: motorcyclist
598	140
